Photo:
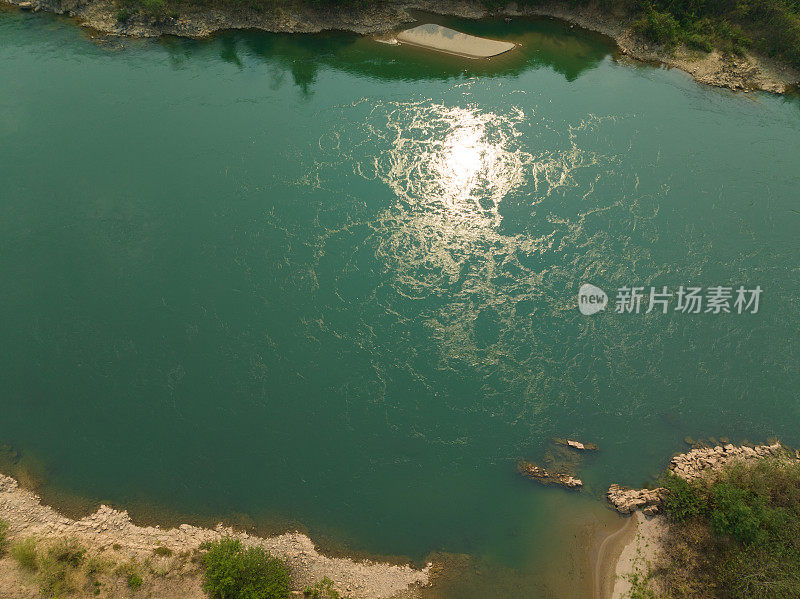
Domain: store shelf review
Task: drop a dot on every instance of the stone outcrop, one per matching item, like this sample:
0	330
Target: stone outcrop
691	465
697	462
537	473
627	501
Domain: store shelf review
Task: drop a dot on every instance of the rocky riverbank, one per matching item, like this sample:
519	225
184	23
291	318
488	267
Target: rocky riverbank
647	546
690	465
749	72
167	554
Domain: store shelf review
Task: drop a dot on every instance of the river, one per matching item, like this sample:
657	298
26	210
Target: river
322	281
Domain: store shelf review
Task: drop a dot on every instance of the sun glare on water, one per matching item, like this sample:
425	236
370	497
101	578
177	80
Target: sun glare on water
453	160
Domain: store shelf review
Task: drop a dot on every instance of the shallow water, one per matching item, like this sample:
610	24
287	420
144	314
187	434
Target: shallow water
322	280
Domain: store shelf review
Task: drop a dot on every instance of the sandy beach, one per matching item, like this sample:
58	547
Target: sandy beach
639	551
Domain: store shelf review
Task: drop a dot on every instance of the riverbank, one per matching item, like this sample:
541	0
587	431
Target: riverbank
638	555
166	559
713	519
745	72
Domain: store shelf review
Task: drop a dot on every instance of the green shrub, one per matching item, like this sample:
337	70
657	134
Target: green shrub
699	42
234	572
25	553
736	513
130	572
152	6
123	15
66	551
134	580
682	502
659	27
322	590
742	541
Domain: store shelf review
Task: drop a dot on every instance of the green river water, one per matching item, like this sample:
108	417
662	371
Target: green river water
327	282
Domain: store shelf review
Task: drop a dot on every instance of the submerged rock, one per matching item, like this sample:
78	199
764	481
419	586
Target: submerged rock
531	470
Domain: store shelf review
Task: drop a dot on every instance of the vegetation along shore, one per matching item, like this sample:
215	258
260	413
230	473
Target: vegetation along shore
43	553
727	43
724	523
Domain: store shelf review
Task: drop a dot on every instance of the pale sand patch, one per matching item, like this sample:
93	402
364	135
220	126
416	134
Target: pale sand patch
608	552
442	39
640	553
107	527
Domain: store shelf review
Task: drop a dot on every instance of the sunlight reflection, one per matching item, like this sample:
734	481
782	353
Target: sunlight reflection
459	161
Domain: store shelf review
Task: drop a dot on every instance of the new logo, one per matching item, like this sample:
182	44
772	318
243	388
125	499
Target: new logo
591	299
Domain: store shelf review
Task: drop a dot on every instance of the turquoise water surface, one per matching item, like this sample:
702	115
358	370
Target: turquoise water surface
323	281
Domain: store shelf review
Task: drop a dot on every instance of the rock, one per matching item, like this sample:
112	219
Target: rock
577	444
531	470
697	462
626	500
26	5
569	481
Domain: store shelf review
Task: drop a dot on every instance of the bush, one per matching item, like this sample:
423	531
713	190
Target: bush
233	572
130	572
699	42
322	590
736	513
123	15
682	502
67	551
659	27
152	6
736	536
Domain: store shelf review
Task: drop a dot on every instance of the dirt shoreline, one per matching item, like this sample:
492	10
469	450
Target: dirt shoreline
110	534
639	554
608	553
746	73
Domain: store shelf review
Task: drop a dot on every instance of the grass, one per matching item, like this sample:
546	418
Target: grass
736	536
3	537
232	571
57	565
24	552
162	551
130	572
65	567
